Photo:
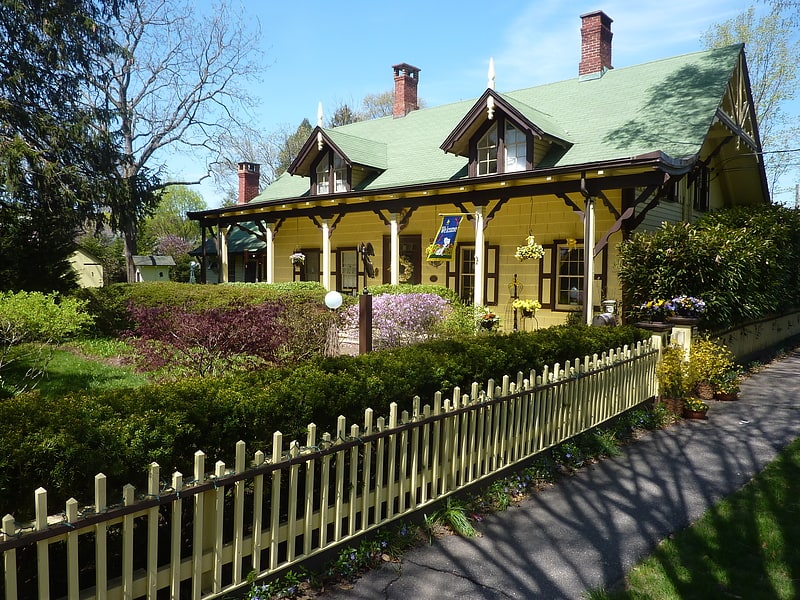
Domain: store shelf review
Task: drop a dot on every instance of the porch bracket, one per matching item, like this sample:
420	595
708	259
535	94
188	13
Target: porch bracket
629	214
571	204
468	214
611	208
494	210
316	220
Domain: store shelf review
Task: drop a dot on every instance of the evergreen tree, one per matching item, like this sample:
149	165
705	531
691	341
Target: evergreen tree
56	163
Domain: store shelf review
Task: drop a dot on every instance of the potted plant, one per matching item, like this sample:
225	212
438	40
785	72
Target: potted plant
431	256
530	251
528	307
489	320
694	408
653	310
709	361
297	258
685	310
652	315
672	376
727	386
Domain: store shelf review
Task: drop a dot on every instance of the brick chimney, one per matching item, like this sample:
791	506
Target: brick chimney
248	181
406	79
595	45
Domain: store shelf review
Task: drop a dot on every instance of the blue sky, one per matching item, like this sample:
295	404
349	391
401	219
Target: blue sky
333	52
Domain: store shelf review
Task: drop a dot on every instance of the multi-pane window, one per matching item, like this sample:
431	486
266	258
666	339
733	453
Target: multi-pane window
466	282
569	276
331	169
323	182
515	149
487	152
339	174
502	149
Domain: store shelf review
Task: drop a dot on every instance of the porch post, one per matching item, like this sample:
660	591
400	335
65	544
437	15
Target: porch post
478	298
269	235
394	249
222	234
326	255
588	261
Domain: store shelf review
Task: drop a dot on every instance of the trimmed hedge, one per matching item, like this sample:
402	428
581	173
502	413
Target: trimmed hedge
61	444
109	304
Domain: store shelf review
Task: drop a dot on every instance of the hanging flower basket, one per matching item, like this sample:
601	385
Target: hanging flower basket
298	258
530	251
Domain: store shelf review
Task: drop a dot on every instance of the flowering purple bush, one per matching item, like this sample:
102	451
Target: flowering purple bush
400	319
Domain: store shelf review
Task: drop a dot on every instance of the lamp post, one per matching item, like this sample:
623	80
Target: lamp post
333	300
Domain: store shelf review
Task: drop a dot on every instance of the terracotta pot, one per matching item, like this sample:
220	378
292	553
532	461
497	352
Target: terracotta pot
694	414
726	397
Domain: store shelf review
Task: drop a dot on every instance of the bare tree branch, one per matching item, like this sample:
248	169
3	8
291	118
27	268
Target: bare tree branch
177	83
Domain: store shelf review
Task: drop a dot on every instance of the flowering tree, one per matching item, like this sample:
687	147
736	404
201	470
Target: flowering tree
401	319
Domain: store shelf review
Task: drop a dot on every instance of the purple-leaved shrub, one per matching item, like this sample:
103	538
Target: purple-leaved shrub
400	319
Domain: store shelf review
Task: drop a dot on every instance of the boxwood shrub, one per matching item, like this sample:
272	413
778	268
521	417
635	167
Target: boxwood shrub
61	444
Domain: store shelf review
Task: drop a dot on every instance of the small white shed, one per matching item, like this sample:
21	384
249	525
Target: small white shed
153	268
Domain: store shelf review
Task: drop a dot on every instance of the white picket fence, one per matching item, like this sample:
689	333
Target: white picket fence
200	538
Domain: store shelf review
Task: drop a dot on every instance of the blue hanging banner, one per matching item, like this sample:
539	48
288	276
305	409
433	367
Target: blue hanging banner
442	247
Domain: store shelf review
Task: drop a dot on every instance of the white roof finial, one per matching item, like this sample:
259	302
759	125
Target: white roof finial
319	114
491	73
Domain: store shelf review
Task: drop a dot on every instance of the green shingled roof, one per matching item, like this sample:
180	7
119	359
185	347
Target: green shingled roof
663	106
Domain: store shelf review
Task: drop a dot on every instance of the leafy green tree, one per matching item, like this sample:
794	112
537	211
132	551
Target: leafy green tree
169	218
292	146
343	115
772	46
56	155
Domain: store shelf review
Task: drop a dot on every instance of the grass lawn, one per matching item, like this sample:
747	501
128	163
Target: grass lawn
747	546
84	366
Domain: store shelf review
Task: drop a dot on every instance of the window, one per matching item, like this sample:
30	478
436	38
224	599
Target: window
309	269
569	276
322	177
487	152
466	283
502	140
339	174
515	149
331	173
348	269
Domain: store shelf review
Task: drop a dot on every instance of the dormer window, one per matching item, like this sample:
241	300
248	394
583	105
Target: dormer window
331	172
323	183
515	149
487	152
511	145
339	174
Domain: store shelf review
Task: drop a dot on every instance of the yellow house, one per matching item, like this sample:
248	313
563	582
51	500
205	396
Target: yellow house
577	164
88	268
